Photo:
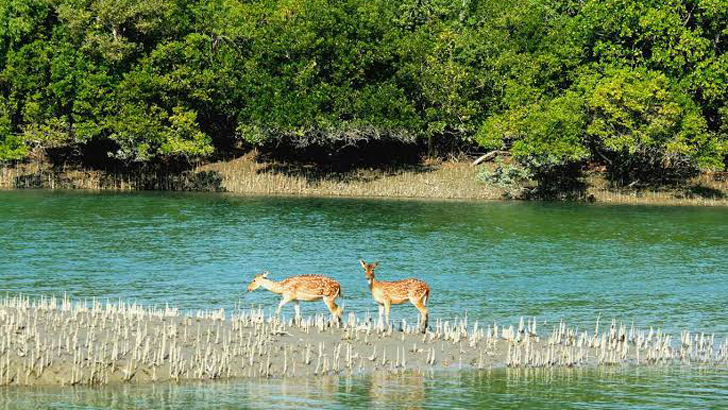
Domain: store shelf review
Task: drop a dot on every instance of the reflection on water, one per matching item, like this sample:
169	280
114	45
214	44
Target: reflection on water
670	387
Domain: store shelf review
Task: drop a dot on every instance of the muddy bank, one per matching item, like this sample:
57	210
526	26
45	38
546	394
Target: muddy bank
247	175
51	341
430	179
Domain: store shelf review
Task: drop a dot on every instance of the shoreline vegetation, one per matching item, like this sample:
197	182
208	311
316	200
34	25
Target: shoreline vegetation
455	178
58	341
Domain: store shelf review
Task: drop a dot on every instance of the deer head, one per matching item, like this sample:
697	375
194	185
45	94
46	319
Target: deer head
369	268
257	281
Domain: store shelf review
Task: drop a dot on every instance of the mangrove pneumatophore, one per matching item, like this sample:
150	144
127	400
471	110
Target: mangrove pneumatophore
58	341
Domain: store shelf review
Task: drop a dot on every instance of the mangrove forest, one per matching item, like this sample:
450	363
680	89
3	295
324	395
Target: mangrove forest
637	88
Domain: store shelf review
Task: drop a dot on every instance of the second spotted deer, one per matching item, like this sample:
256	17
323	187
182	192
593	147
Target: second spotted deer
387	294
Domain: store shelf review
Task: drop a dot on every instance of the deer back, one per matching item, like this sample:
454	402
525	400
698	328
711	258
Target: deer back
312	284
403	289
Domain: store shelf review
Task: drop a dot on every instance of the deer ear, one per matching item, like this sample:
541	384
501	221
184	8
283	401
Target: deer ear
363	264
375	264
264	274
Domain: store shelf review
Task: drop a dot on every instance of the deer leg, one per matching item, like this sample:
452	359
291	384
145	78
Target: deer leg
381	316
420	305
387	305
335	310
297	307
284	300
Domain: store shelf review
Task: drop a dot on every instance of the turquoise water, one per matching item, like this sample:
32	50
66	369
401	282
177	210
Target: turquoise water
495	261
605	388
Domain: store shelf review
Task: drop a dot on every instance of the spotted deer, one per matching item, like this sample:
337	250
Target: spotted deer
305	288
387	294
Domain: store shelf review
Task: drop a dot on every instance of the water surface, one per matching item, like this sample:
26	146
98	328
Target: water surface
604	388
494	261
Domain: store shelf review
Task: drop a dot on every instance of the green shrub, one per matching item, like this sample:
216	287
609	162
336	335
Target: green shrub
513	179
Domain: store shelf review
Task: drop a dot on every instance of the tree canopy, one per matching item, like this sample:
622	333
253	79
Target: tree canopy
638	86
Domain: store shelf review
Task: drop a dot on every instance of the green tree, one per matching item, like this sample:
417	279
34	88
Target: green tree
639	85
645	129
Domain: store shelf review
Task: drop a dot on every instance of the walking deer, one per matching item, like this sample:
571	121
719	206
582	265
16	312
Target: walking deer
305	288
387	294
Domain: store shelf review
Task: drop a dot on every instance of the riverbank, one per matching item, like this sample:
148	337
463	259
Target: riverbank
50	341
430	179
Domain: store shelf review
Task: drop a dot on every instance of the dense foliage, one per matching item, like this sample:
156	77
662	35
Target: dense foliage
637	86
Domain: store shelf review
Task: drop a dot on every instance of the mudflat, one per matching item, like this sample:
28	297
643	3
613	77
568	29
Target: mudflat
53	341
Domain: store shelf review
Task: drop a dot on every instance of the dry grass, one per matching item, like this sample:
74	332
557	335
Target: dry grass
706	189
245	175
41	175
435	179
431	179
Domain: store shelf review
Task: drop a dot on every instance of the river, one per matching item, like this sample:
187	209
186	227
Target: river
493	261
